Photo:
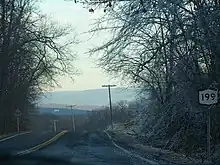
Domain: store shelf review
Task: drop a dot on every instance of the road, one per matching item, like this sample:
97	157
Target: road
25	141
94	148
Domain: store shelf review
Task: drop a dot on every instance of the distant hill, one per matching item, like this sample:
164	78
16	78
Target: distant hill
95	97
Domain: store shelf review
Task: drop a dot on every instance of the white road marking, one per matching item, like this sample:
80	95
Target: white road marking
132	154
10	137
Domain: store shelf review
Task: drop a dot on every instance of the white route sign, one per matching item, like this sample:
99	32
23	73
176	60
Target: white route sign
18	113
208	97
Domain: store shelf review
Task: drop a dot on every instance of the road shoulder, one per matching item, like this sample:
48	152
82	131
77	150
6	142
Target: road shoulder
129	142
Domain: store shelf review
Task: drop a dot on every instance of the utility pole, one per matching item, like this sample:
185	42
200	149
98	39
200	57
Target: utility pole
110	100
72	117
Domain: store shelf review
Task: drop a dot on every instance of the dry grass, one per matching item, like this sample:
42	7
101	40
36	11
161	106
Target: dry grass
119	134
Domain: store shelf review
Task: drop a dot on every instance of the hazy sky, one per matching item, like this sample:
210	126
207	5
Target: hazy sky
79	17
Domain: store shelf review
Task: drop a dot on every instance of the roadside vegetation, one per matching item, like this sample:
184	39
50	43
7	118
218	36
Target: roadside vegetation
171	50
31	57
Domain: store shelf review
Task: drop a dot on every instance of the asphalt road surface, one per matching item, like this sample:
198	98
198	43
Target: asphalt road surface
90	148
24	141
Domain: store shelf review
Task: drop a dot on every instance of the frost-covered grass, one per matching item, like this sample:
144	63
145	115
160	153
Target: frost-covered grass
121	133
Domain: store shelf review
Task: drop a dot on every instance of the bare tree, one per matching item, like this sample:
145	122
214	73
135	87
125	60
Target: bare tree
170	48
33	52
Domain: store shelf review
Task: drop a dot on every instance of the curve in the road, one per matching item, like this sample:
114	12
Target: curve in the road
94	148
44	144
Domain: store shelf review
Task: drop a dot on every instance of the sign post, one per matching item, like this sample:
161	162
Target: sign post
209	133
208	97
18	115
55	125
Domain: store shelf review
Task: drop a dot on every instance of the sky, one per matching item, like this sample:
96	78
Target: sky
81	19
